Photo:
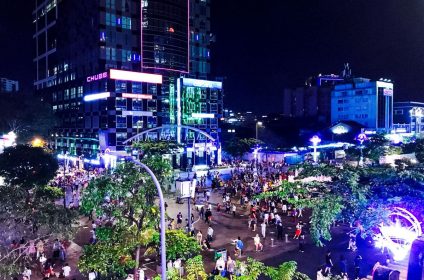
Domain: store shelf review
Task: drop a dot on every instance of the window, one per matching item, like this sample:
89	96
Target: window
340	101
138	122
121	136
121	122
66	96
120	86
80	91
136	87
214	108
399	112
340	109
73	93
137	105
121	103
151	105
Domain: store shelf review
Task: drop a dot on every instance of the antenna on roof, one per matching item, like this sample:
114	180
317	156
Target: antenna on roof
347	72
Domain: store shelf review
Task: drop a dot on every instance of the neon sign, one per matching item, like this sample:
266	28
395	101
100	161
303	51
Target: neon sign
137	96
202	83
96	96
202	116
135	76
97	77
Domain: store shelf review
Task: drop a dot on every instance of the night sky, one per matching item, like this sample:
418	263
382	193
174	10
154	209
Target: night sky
264	46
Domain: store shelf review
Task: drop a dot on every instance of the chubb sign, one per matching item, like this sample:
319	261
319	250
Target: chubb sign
97	77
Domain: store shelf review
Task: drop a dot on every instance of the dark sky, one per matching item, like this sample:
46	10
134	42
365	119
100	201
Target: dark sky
264	46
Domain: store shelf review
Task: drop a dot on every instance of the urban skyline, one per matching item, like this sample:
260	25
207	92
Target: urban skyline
283	46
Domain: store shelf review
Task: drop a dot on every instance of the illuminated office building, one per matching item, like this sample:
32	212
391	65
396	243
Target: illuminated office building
369	103
83	47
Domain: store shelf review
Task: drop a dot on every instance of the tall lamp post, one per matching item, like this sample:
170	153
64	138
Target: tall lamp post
258	124
361	138
162	217
315	140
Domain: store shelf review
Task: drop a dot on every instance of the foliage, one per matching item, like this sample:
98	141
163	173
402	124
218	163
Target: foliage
195	269
160	166
126	199
29	206
152	148
324	213
237	147
250	270
27	167
179	245
27	116
419	150
285	271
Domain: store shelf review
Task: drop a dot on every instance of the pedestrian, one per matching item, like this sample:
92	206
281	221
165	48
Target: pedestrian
284	208
343	266
66	270
210	234
202	213
302	244
280	230
263	229
258	244
27	273
239	247
166	206
357	266
199	237
179	219
234	210
230	267
298	231
92	275
328	263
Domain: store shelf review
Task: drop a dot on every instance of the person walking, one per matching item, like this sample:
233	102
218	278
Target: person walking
298	231
239	247
66	270
328	263
27	273
234	209
302	244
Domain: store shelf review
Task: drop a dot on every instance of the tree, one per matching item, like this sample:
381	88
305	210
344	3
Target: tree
151	148
26	167
238	147
126	199
285	271
179	245
419	150
29	205
27	116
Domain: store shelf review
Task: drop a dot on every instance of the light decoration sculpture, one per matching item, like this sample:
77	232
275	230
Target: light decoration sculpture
315	140
397	236
362	137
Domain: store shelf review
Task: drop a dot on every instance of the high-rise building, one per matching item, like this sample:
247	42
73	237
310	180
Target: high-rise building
109	68
311	100
8	86
369	103
408	117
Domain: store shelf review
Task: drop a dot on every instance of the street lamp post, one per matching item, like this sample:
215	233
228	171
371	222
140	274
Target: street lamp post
162	217
361	138
258	124
315	140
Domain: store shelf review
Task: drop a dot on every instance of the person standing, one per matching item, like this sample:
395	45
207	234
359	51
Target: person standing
239	246
302	244
234	210
27	273
343	266
263	229
230	267
179	219
357	264
199	237
280	230
258	244
210	234
66	270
